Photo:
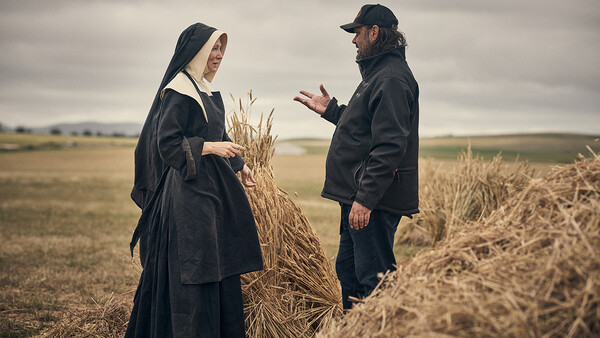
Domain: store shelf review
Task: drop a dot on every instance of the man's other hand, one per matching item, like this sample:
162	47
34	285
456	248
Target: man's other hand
359	216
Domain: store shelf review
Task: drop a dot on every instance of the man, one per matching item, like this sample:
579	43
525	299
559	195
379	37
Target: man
371	167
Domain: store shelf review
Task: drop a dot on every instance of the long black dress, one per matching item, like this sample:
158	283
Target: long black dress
197	230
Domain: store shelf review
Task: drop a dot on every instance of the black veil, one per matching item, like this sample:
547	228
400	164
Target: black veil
149	166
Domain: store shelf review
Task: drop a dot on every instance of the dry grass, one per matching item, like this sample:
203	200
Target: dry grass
530	269
297	292
100	321
467	192
65	220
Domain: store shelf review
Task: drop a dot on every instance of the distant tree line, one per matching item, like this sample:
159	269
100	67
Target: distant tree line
22	130
57	131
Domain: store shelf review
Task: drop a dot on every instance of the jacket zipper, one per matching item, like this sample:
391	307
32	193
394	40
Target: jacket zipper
356	179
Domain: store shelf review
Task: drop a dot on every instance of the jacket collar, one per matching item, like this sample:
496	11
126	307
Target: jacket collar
369	65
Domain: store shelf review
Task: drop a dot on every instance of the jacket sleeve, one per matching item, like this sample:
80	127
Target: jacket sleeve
176	150
391	123
333	111
237	163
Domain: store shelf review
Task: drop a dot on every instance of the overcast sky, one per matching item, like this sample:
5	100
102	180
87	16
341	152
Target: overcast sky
483	67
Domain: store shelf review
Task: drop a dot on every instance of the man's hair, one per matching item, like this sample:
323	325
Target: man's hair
389	38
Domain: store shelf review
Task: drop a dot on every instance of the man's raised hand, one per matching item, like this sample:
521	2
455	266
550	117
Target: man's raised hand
316	103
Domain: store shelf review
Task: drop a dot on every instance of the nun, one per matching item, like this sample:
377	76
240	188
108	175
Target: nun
196	232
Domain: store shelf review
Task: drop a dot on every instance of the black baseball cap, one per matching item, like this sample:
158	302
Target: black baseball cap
372	15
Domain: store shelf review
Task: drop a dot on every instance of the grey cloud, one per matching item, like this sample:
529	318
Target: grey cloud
481	65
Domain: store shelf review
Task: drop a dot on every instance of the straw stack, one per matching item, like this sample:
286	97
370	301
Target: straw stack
297	292
531	269
468	192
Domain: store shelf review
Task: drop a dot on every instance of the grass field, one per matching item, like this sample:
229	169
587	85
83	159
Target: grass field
66	217
24	142
544	148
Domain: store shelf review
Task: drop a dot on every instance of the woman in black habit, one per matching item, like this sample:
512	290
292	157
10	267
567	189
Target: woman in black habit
196	232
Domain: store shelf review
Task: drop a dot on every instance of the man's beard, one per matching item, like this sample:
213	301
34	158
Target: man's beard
366	52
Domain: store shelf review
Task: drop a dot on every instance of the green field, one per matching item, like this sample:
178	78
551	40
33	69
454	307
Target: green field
66	217
26	142
544	148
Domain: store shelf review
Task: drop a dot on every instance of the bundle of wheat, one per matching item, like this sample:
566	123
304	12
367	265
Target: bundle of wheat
530	269
105	320
297	292
468	192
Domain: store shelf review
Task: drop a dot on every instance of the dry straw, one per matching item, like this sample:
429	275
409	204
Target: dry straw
467	192
101	320
297	292
530	269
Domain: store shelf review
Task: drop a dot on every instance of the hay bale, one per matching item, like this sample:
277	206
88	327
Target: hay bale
468	192
297	292
102	321
531	269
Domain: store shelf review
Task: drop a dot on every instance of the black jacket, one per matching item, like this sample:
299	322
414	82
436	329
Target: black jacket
373	156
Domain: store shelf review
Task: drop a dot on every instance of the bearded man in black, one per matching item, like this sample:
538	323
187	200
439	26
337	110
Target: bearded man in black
371	167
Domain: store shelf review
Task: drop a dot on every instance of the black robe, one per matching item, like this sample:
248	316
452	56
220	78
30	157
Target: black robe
197	230
200	230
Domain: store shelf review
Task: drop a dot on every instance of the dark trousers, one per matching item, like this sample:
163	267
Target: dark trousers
364	253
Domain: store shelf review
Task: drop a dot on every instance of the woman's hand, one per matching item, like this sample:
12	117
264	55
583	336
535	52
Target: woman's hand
223	149
247	178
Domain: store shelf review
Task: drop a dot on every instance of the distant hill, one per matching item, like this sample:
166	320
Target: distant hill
95	128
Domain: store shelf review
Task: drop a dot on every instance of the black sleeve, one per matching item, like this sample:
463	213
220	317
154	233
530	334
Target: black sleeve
237	163
390	127
333	111
175	149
